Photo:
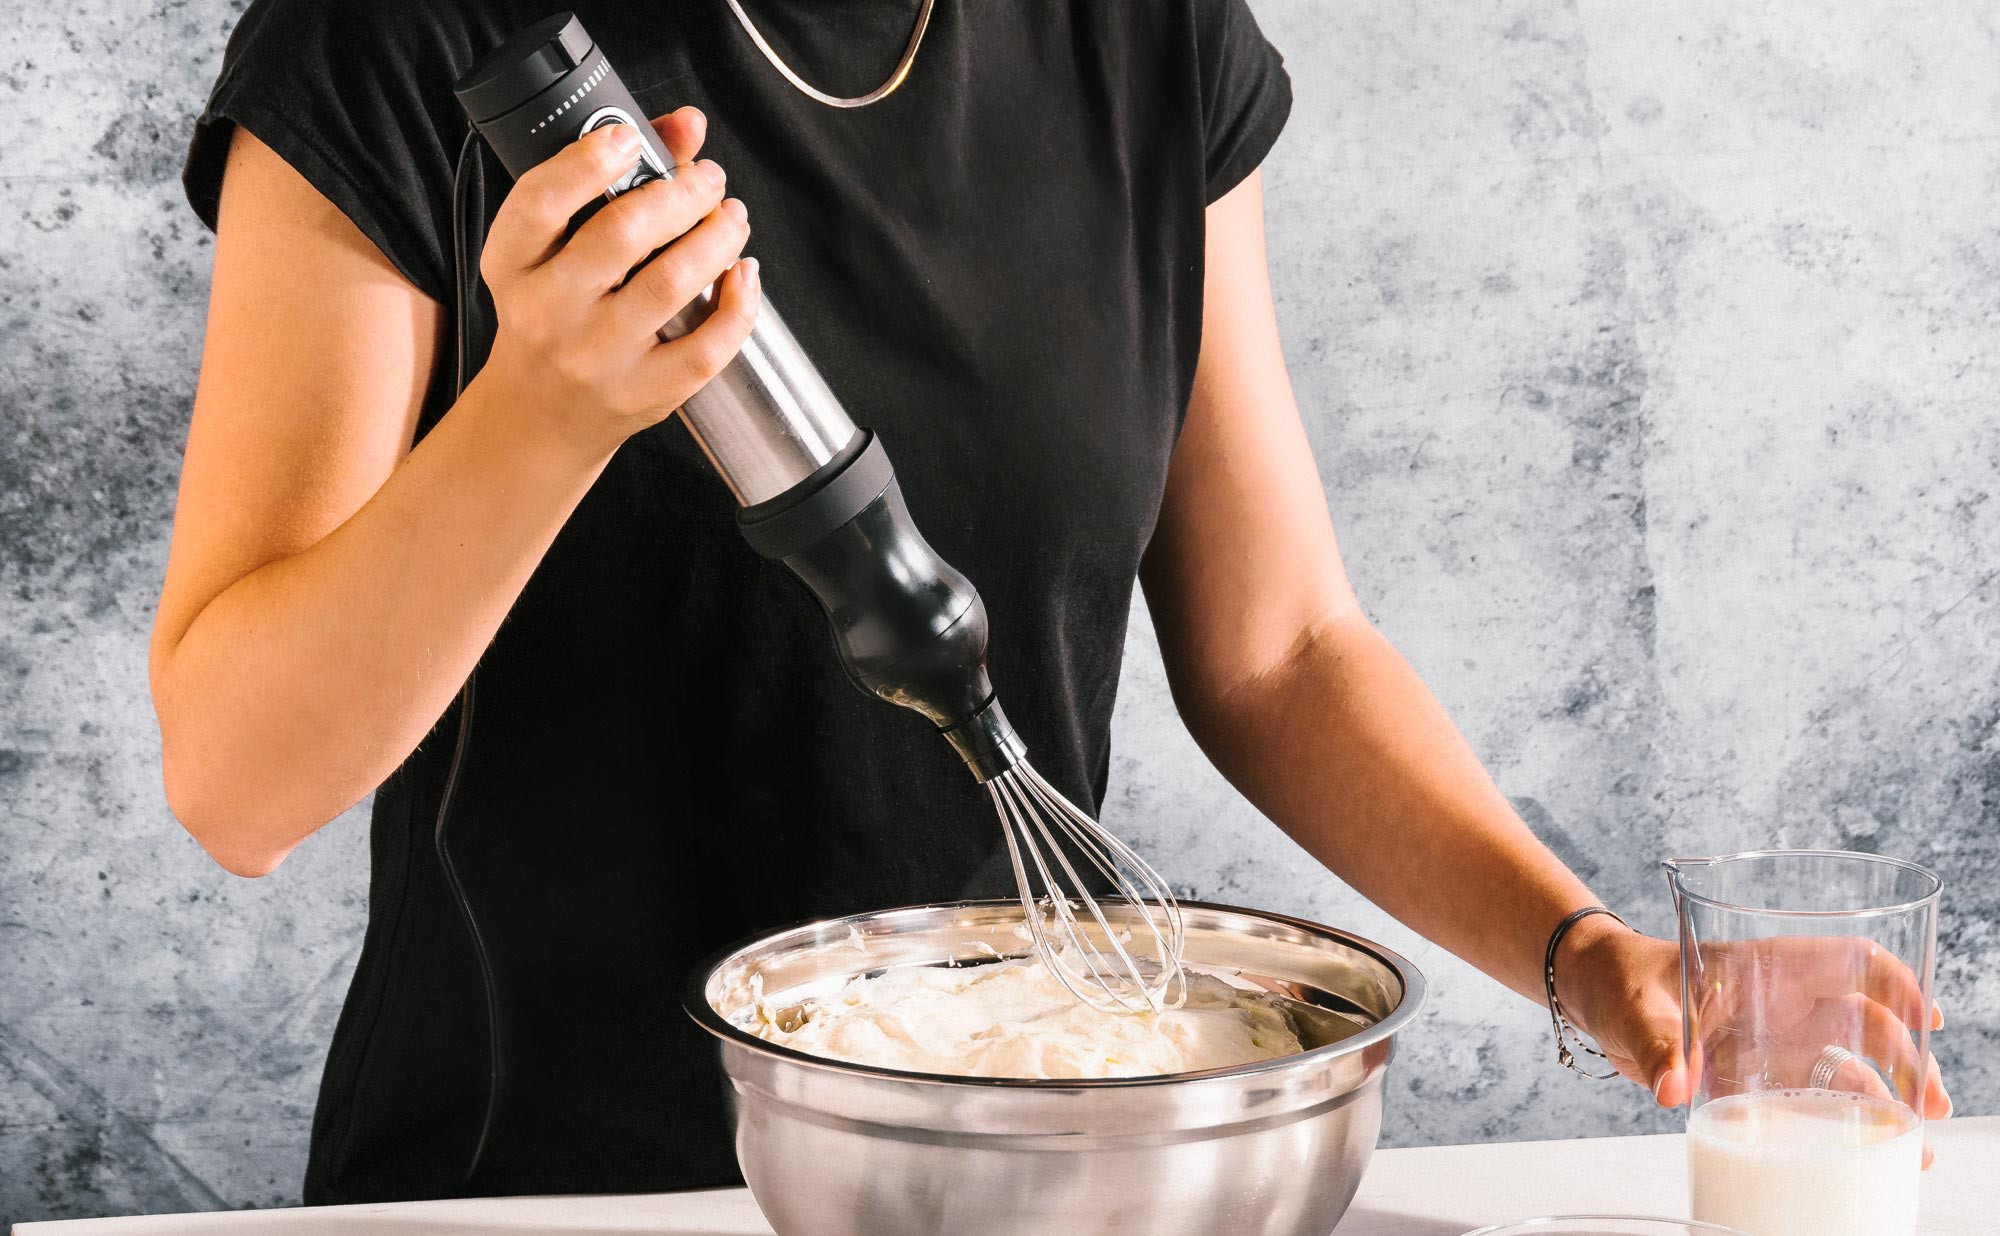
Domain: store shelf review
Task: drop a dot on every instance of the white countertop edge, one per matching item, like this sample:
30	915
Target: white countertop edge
1418	1191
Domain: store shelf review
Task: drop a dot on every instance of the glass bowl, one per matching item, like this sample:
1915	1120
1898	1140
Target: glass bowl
1605	1225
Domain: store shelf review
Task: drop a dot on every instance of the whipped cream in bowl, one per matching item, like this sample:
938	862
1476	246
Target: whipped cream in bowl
915	1071
1013	1018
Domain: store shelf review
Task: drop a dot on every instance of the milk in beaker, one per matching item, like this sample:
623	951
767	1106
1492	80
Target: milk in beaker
1805	1163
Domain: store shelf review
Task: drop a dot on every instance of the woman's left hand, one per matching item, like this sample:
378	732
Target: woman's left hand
1623	989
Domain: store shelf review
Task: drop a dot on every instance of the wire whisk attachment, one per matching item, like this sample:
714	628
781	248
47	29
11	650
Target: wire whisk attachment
1126	959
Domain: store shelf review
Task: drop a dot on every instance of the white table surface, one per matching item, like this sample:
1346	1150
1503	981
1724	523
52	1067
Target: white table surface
1429	1191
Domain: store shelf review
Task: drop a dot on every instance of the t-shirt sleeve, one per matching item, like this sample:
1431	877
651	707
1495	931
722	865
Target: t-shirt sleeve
1246	95
356	96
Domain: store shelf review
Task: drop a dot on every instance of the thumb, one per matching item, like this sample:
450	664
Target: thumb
1672	1080
683	132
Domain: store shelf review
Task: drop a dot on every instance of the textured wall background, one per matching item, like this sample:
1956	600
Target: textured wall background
1650	353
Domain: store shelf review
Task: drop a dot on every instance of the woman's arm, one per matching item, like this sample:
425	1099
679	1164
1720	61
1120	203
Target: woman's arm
329	588
1309	711
1312	714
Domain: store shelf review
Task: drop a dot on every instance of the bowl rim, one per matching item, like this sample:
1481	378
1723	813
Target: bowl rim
694	1001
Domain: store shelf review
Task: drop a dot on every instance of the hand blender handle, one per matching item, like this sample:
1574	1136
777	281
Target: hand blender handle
767	421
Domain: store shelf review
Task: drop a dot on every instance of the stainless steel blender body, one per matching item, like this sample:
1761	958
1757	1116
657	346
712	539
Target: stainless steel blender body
768	421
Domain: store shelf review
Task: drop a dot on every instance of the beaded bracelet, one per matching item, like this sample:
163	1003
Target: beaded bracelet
1565	1030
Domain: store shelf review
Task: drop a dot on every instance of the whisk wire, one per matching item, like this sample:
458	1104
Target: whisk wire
1050	900
1015	829
1128	967
1113	857
1039	823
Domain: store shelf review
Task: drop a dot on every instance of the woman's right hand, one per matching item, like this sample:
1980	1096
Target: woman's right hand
330	587
577	345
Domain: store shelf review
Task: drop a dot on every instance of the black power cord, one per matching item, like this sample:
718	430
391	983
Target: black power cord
464	286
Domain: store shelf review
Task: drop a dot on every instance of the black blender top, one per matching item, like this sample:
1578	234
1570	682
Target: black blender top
524	66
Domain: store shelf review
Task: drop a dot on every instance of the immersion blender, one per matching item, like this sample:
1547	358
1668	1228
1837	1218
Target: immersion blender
819	495
813	491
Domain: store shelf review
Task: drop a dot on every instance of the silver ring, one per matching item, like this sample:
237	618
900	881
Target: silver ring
1826	1065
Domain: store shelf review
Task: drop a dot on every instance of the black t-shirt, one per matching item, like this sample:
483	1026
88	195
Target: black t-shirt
999	270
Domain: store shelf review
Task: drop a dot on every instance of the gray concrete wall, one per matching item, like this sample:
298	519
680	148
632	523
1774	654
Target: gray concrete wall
1649	355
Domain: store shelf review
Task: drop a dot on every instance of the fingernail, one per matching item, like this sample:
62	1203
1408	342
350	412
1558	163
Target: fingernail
712	172
1659	1081
624	139
736	207
751	275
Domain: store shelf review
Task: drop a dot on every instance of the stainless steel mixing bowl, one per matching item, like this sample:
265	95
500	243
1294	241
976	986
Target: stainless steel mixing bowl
1271	1149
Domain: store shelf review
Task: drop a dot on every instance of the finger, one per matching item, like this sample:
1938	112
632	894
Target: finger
1873	1031
682	133
1891	983
1892	1046
529	228
1821	966
604	251
664	286
1856	1077
1674	1085
1937	1016
1886	1041
1658	1063
1840	963
1930	1156
1937	1100
684	364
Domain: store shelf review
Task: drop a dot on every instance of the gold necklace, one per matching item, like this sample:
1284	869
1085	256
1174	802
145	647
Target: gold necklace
876	95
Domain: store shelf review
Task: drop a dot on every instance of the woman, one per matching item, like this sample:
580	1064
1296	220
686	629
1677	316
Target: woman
1036	269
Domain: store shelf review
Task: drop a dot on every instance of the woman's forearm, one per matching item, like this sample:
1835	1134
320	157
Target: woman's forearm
301	686
1346	749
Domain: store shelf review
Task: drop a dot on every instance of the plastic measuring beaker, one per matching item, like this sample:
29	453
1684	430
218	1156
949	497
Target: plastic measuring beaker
1806	1011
